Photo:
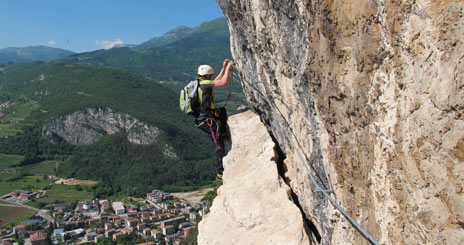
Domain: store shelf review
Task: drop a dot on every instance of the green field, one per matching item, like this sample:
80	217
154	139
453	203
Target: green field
62	193
14	118
29	177
42	168
8	129
30	183
11	216
8	161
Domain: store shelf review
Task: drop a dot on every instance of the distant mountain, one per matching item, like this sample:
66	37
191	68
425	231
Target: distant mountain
168	38
177	61
125	45
32	53
208	43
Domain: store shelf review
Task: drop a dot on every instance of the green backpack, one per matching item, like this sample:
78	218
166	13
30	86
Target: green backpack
189	102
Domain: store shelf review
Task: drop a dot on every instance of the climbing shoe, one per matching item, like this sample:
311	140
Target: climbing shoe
219	177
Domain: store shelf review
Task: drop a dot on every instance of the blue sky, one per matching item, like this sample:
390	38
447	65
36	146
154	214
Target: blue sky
87	25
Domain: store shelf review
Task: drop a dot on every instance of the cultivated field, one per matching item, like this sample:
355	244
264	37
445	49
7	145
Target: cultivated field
14	215
9	183
8	161
43	168
13	120
12	178
34	177
62	193
80	182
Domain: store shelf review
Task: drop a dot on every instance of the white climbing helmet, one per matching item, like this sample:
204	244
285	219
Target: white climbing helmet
205	70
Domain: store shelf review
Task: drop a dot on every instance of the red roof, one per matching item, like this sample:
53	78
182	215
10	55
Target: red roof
169	215
23	226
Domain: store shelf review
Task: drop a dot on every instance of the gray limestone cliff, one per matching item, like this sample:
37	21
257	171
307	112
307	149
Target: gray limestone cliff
367	98
87	126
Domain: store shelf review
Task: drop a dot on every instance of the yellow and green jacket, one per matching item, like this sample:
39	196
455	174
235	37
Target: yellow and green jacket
207	99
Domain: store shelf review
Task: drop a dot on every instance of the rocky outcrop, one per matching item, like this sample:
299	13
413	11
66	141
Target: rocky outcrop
254	205
87	126
369	94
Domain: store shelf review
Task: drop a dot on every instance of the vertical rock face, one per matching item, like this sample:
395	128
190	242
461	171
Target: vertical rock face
87	126
369	93
253	205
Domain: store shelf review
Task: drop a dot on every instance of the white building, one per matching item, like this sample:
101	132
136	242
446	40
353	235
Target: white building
194	215
118	208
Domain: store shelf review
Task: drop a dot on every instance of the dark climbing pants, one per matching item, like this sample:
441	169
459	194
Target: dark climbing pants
220	152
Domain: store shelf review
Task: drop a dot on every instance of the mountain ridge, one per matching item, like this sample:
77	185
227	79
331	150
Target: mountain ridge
168	38
32	53
177	61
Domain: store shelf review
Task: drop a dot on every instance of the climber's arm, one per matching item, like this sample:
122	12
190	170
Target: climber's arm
222	79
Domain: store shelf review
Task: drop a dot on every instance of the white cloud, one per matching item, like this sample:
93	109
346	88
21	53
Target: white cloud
109	44
52	42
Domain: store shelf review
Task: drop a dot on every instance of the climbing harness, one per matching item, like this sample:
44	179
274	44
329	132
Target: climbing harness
318	188
209	122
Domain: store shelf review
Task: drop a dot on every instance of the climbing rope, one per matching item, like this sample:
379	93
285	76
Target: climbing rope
231	77
306	167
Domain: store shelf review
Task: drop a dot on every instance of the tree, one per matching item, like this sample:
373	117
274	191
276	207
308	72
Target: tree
191	237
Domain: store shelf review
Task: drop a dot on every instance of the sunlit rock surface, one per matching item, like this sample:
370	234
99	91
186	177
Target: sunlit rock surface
370	93
253	205
87	126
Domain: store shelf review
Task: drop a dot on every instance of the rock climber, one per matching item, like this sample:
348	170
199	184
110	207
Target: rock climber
213	120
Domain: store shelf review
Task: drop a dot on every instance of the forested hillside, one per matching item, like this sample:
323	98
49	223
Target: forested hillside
50	90
40	93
